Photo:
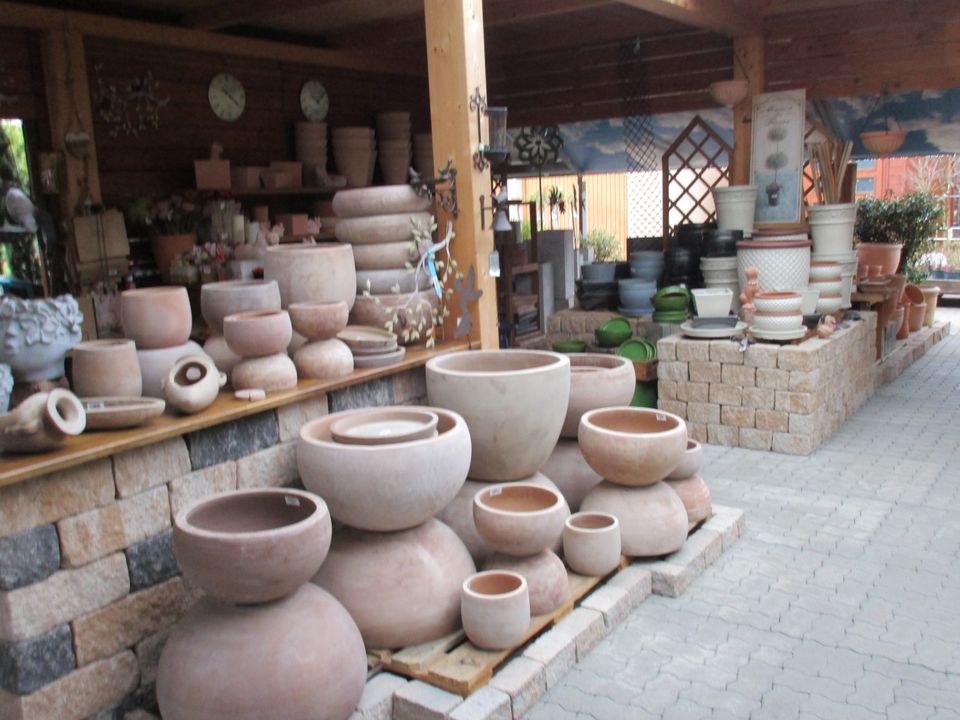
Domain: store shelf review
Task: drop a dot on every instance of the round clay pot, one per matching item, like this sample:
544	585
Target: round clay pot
653	520
156	317
886	255
42	422
545	574
514	402
219	299
591	543
377	310
570	472
271	373
386	255
385	200
519	519
252	546
155	365
320	272
258	333
166	249
597	381
913	294
316	671
916	312
106	368
690	463
193	383
323	359
319	321
695	495
495	608
632	446
223	357
382	282
369	486
402	588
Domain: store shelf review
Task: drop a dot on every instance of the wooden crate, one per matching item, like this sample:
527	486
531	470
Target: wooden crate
645	370
455	664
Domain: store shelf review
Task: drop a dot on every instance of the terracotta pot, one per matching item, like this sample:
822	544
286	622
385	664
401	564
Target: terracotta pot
166	249
219	299
381	229
514	402
270	373
886	255
383	282
320	273
369	486
416	310
931	294
316	671
402	588
545	574
323	359
519	519
385	200
690	463
916	314
495	608
354	162
596	381
155	365
319	321
36	335
387	255
572	474
156	317
42	422
223	357
632	446
258	333
591	543
913	294
898	283
252	546
695	495
106	368
903	330
653	520
193	383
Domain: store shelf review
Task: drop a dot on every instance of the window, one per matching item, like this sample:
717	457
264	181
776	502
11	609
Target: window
865	186
866	164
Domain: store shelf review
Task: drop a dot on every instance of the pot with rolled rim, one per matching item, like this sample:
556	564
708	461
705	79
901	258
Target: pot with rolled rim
596	380
318	272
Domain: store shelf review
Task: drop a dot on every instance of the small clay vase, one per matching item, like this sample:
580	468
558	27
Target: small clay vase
42	422
495	609
106	368
156	317
193	383
591	543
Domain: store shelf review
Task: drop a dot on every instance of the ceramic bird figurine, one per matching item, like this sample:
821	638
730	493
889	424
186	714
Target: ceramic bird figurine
21	209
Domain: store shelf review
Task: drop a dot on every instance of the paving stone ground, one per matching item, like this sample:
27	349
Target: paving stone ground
841	601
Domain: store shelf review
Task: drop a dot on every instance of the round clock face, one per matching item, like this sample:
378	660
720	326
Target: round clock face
314	100
226	97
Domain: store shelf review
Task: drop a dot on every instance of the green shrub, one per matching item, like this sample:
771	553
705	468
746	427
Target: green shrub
604	244
911	220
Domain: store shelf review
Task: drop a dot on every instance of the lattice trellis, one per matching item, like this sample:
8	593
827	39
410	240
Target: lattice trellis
702	159
639	139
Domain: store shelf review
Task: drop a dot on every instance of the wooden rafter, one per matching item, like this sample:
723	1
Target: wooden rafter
234	12
723	16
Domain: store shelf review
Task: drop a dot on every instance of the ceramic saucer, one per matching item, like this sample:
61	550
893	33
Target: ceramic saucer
779	334
115	413
386	358
716	332
382	427
367	337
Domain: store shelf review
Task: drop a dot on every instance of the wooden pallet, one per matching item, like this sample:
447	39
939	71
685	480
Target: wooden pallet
455	664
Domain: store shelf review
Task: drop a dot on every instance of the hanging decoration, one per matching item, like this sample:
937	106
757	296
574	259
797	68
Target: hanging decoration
888	140
132	109
539	145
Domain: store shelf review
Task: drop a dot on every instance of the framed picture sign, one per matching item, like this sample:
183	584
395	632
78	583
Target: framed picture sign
776	156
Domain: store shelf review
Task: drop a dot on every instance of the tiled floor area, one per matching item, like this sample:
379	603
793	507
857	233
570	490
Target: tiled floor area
841	601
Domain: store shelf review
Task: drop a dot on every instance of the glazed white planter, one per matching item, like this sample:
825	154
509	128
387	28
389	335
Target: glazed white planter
653	520
591	543
782	264
596	381
495	608
831	227
321	272
712	302
736	207
514	403
37	335
519	519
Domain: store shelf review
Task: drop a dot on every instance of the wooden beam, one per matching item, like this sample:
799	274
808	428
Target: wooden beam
457	66
235	12
722	16
506	12
749	52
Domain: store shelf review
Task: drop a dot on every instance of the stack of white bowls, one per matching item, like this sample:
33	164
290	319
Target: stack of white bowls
310	148
848	269
394	146
831	227
721	273
423	155
777	315
826	277
354	154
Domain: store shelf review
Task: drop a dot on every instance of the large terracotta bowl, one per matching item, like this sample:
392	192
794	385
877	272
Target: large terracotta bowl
514	402
320	272
386	487
519	519
319	321
632	446
156	317
252	546
597	381
219	299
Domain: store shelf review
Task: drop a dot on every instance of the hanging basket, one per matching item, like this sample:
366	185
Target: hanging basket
883	142
729	92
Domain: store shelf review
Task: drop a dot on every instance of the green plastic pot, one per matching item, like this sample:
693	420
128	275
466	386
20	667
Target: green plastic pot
645	395
614	332
671	299
670	317
569	346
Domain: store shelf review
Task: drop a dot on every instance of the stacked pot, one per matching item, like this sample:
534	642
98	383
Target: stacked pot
719	262
394	146
354	154
310	148
778	315
379	224
260	338
782	260
736	206
646	267
826	279
253	552
219	299
323	355
396	568
685	480
831	227
423	155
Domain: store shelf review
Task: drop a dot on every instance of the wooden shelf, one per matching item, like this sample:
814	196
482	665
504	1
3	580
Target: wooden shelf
279	192
94	445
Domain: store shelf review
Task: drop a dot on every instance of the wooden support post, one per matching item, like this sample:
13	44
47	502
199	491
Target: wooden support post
457	66
748	53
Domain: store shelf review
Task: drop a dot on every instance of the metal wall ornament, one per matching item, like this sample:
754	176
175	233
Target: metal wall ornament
132	109
539	145
443	188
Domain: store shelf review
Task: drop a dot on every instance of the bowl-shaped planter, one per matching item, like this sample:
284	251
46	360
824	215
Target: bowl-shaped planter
690	463
385	200
321	272
569	471
671	299
258	333
653	520
156	317
106	368
514	403
632	446
545	575
596	381
219	299
519	519
252	546
402	588
886	255
495	607
319	321
385	487
591	543
614	332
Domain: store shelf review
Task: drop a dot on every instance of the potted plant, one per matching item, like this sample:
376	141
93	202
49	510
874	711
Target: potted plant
172	224
605	251
896	232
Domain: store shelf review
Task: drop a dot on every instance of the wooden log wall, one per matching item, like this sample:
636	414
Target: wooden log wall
21	76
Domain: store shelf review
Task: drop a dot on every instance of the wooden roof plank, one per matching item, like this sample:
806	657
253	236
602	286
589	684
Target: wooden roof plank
723	16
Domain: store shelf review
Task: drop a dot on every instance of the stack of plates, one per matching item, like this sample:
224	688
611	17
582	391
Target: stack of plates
384	426
371	347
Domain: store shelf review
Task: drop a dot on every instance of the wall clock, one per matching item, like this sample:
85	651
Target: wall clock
226	96
314	100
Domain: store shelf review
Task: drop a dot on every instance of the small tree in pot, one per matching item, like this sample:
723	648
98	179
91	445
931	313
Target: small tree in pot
606	251
909	222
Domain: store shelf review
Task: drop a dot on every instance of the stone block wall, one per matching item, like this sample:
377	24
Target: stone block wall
582	324
89	586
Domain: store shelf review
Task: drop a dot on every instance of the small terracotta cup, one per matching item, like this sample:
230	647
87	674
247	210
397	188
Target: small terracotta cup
495	609
591	543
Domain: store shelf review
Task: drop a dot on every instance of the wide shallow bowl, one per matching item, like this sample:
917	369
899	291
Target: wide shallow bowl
385	426
596	380
653	520
319	321
519	519
219	299
613	332
258	333
637	349
591	543
778	301
252	546
495	607
514	402
690	464
775	322
385	487
115	413
365	337
632	446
